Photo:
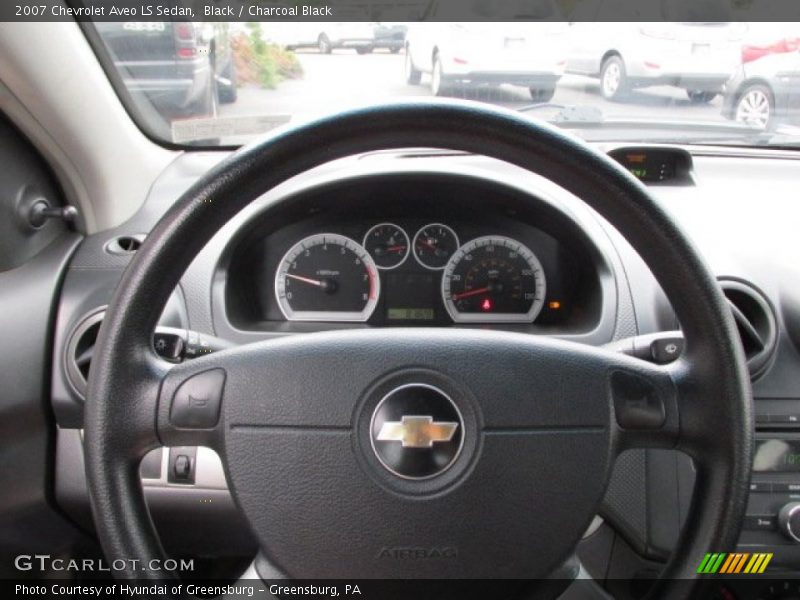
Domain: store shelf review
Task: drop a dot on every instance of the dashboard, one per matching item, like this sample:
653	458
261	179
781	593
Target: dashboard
415	239
415	258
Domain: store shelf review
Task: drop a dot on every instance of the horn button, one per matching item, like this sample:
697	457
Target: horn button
416	431
418	453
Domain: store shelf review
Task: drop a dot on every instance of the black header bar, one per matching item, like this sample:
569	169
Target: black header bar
402	10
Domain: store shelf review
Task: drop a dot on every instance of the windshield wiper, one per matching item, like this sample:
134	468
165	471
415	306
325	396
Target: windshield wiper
568	112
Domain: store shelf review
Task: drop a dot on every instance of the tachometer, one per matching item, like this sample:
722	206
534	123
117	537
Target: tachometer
327	277
495	279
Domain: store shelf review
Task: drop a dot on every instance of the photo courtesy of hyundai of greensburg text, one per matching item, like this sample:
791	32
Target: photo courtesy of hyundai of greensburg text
400	299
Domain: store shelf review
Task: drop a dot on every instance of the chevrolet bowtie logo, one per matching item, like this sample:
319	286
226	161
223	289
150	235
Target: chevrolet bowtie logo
417	432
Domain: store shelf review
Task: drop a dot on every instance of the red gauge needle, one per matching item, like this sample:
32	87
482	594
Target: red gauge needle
430	245
395	248
469	293
305	279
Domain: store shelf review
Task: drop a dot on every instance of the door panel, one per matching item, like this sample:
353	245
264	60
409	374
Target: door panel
32	263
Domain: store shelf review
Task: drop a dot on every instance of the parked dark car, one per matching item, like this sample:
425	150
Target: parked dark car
183	69
391	36
765	91
326	36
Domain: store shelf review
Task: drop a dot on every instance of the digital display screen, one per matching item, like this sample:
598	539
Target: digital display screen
777	456
649	167
410	314
412	296
653	165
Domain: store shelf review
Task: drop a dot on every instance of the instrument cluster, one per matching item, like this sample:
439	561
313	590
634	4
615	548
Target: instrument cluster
490	278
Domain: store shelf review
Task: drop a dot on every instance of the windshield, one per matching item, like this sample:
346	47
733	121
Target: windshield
703	82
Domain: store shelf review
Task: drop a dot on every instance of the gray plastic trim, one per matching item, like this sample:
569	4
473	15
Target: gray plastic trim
544	191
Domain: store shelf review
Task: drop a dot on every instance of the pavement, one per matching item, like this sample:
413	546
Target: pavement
343	79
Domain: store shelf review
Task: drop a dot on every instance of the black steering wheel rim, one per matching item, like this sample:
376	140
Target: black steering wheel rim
123	397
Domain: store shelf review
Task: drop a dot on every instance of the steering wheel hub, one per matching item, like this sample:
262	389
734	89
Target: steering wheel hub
417	431
505	471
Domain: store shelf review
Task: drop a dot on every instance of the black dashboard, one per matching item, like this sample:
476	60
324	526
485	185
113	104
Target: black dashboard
596	290
382	252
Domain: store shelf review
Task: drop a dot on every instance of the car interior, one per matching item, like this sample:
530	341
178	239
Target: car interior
427	346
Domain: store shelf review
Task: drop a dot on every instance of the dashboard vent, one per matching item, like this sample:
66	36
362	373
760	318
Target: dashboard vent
80	349
755	320
125	244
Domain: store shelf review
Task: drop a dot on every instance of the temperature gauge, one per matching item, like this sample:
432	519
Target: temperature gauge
388	245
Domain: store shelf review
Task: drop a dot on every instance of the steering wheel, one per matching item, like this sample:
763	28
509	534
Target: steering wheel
430	453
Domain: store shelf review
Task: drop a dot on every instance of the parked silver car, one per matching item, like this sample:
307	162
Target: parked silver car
698	57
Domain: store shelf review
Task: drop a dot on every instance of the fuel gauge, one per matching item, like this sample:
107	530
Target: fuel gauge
434	244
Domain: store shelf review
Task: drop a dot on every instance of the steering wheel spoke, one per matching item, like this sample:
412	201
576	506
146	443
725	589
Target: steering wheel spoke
647	402
132	420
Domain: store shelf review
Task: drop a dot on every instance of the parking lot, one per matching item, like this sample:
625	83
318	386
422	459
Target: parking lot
342	79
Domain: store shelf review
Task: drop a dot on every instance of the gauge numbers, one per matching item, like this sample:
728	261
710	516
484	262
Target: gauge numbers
493	279
327	277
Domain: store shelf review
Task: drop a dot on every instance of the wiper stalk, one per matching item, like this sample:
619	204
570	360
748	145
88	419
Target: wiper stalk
568	113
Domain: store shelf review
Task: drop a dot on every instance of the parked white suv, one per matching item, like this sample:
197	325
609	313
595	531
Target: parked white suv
697	57
532	55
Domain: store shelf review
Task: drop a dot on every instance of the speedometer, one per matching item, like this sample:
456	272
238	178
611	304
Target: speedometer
493	279
327	277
